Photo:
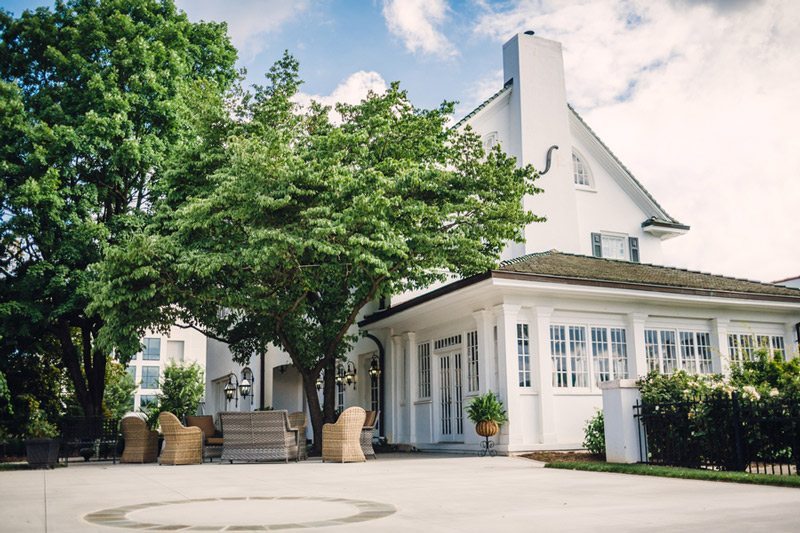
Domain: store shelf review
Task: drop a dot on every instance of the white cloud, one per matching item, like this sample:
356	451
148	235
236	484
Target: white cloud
351	91
248	20
418	24
700	101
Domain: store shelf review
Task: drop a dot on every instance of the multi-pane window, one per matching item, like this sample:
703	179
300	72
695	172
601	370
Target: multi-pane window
570	356
152	349
523	355
150	377
609	363
669	350
742	347
132	372
424	363
473	382
580	171
613	246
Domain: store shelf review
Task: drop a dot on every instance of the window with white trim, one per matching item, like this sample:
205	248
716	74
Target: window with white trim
580	170
152	349
742	346
489	140
569	355
150	377
473	382
523	355
424	363
668	350
609	363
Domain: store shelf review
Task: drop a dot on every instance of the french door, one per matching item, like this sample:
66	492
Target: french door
451	402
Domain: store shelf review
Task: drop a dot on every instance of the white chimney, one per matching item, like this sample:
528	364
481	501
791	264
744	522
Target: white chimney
539	119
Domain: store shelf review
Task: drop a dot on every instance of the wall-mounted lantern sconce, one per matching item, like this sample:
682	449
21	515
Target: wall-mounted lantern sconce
247	382
374	367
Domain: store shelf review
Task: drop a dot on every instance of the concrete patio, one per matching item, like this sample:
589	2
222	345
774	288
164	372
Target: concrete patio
394	493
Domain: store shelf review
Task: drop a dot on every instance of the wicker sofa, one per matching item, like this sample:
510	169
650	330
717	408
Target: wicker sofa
182	445
141	442
367	433
212	439
341	442
297	420
258	436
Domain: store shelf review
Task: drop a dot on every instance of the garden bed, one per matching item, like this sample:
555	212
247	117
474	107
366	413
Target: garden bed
564	457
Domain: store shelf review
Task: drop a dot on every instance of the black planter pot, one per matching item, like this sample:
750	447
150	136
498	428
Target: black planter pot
41	453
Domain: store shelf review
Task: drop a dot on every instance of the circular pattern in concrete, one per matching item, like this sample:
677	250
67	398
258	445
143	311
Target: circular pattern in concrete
254	513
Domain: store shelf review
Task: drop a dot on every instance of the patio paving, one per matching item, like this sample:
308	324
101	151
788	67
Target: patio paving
420	492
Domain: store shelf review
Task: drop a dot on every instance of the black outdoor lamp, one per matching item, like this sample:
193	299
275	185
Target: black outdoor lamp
246	385
231	389
320	379
374	367
350	375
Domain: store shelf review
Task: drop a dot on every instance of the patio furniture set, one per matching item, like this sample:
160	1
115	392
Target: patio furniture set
247	436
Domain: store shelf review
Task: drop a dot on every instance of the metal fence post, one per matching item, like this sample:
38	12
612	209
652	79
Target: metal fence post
737	433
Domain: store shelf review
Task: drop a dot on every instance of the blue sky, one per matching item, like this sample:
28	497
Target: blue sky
697	97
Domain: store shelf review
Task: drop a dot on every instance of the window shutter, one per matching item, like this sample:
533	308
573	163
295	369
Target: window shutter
633	246
597	245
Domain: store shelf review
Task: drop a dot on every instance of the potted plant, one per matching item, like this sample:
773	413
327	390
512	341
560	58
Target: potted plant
487	413
41	446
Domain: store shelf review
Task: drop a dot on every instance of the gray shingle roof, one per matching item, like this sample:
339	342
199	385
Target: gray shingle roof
506	88
557	264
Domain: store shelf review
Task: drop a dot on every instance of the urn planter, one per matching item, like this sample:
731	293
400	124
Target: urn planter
41	453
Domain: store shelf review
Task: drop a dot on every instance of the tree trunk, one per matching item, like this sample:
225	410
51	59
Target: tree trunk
87	379
326	413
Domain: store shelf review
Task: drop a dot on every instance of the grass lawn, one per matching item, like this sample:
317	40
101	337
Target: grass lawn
681	473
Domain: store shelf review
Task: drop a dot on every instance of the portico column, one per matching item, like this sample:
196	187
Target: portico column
546	426
486	370
507	386
412	379
719	339
637	358
395	404
790	341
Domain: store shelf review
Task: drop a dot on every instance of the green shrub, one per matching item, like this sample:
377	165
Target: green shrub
182	389
594	437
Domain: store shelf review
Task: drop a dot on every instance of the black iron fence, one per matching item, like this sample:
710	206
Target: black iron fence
722	433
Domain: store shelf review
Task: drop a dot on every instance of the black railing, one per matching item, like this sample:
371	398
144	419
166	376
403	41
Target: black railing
90	437
728	433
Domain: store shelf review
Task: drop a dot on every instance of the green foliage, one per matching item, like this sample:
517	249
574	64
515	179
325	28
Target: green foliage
594	437
486	407
91	99
118	395
277	225
5	396
182	390
38	425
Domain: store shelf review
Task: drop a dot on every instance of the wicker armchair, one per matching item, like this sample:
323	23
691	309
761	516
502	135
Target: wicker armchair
297	420
182	445
258	436
212	439
341	441
141	442
367	433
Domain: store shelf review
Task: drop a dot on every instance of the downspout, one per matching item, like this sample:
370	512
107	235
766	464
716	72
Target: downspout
547	163
261	386
381	395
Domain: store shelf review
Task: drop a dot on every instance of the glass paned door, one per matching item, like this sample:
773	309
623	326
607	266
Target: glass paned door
451	402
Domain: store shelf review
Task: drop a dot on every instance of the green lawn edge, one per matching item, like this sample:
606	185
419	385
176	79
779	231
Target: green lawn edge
680	473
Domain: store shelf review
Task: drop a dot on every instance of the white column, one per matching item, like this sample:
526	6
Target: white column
719	340
394	413
621	428
637	354
507	371
790	341
412	378
486	361
546	425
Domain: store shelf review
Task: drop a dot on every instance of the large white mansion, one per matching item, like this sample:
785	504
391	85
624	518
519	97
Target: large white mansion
581	301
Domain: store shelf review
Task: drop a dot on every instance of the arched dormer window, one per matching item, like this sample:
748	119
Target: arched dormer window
580	170
489	140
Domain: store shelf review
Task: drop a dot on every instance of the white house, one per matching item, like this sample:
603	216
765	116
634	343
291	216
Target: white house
579	302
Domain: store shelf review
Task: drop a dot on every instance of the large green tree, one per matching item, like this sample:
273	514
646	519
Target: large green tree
91	95
278	224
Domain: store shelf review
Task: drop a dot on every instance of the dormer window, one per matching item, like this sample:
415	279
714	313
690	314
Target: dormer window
489	140
580	170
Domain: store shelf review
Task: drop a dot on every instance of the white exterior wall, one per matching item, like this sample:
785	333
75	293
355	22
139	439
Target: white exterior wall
194	350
